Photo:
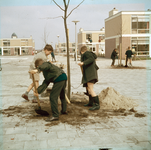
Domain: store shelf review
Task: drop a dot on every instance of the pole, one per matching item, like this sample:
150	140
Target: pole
76	41
58	44
75	21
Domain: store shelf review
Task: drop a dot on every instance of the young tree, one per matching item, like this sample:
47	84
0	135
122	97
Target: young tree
66	15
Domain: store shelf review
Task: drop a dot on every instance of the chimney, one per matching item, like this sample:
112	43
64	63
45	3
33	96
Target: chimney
102	29
81	29
113	12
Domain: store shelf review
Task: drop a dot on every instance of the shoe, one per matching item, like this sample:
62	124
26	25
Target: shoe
25	97
64	113
96	105
49	119
90	102
35	101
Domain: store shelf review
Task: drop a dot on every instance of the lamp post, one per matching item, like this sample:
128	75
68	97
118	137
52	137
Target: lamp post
75	21
58	43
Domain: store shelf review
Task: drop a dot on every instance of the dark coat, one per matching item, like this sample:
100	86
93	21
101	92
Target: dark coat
50	73
129	53
114	54
89	68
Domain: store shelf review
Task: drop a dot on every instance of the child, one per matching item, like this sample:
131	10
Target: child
53	56
43	55
90	76
113	56
128	55
53	74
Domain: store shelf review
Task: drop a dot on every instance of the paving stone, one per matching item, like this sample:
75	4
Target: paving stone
58	143
105	141
70	127
58	127
35	145
25	137
67	134
12	145
80	141
16	130
36	129
46	135
141	146
88	133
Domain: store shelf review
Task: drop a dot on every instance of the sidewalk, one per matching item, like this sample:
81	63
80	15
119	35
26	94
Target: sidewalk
118	132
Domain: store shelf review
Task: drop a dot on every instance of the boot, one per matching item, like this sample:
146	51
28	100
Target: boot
90	102
96	104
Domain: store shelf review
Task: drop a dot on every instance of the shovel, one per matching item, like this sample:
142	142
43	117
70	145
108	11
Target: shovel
39	110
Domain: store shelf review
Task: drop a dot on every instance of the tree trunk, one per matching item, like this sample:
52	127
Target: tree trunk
68	57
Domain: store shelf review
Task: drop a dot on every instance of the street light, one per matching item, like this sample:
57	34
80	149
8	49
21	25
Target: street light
58	43
75	21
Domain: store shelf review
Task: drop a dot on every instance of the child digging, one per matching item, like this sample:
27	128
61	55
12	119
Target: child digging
57	76
90	76
42	55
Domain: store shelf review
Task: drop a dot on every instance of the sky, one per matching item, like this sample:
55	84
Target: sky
30	17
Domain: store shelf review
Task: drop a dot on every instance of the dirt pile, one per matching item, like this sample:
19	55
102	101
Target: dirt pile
111	104
111	99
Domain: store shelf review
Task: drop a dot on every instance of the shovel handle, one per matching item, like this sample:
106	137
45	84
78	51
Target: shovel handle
36	90
67	99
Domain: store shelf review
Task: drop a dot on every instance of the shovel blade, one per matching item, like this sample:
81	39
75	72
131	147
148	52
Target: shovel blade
41	112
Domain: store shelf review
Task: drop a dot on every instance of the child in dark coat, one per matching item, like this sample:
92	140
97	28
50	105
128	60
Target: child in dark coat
90	76
56	75
113	56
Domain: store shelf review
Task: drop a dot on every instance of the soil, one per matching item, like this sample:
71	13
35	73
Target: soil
123	67
77	113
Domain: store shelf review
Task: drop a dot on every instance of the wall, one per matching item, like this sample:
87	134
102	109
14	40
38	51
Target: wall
110	44
15	42
113	27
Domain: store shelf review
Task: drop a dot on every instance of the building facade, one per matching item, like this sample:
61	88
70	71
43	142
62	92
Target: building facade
126	28
16	46
62	47
94	40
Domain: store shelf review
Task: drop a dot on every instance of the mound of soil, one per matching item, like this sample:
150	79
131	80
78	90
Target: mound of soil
111	99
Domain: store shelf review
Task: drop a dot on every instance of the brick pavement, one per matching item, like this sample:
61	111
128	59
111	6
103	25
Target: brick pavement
123	133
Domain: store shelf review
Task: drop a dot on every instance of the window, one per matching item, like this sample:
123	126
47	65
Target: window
25	50
6	51
89	38
140	24
6	42
101	37
140	45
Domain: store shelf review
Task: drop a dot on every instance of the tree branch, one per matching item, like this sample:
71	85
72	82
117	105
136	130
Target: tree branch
52	17
58	5
68	3
74	8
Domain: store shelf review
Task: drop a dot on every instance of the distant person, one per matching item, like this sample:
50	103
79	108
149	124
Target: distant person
113	56
53	56
90	76
128	55
42	55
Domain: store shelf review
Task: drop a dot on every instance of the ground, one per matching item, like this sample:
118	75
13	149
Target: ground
23	128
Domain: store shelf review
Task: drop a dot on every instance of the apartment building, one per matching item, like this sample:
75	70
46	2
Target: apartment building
16	46
62	47
94	40
128	28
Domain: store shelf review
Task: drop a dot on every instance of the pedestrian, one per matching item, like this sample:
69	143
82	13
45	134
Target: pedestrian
128	55
58	77
113	56
43	55
90	76
53	56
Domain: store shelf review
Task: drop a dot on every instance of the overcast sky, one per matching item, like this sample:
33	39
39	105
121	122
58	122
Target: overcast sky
27	17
